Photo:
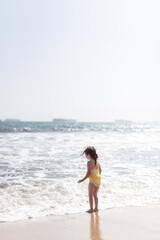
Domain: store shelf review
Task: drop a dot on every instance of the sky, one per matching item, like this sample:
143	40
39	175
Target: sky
87	60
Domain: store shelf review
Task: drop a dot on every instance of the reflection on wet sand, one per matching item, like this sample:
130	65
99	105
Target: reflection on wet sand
95	232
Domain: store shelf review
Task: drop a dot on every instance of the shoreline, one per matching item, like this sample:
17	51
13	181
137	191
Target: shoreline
138	222
77	213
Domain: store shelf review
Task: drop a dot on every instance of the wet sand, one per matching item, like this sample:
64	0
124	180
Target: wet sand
124	223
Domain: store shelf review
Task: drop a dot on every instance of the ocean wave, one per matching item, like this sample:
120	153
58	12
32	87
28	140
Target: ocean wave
13	127
39	172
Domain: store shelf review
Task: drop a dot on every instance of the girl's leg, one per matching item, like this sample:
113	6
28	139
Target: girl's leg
96	198
91	189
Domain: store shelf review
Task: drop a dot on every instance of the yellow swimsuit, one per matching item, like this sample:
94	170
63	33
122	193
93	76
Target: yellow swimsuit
95	177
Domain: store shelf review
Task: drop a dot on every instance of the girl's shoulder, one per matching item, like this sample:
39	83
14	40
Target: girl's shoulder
92	164
97	164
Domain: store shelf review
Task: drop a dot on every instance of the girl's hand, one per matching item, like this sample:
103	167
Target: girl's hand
80	181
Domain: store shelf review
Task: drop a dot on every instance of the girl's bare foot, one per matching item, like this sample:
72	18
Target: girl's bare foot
95	210
90	211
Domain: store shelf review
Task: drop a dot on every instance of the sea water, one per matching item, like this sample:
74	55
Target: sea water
40	165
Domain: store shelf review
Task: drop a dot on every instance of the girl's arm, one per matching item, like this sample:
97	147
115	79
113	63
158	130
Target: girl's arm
87	174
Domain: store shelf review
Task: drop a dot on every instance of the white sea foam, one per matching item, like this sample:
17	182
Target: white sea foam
39	171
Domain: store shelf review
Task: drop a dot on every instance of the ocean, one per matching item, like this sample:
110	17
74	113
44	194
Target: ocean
40	164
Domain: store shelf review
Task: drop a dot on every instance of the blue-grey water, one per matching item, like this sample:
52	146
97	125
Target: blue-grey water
40	165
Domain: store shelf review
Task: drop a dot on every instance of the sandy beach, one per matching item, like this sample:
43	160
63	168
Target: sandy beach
127	223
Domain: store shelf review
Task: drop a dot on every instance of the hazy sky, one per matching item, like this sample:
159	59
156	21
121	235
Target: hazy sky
88	60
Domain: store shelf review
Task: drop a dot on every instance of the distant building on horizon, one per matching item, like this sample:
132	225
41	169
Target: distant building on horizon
12	120
122	121
58	120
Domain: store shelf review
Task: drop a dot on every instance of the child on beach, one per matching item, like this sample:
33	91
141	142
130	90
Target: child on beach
94	175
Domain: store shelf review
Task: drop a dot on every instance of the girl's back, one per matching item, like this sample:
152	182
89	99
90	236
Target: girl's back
93	166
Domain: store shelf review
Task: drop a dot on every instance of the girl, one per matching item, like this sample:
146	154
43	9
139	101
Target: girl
94	174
